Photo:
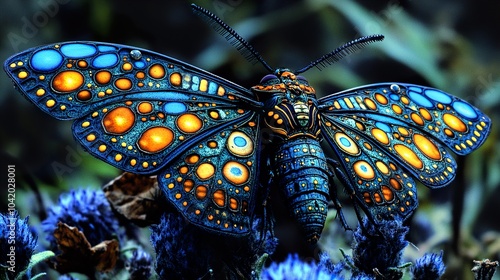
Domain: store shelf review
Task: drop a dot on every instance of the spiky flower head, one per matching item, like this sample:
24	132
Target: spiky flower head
429	267
17	243
88	210
293	268
178	252
139	265
379	247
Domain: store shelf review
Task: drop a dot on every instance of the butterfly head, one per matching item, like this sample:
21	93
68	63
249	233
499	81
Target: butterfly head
286	84
290	103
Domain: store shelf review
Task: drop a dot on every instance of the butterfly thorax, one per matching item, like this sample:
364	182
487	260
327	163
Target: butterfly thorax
290	105
297	160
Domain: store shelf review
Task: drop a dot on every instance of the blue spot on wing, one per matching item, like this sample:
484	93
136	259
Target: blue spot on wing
420	99
106	48
383	126
415	89
46	60
240	141
438	96
159	96
78	50
195	83
464	109
394	97
345	142
385	119
212	87
235	171
105	60
174	108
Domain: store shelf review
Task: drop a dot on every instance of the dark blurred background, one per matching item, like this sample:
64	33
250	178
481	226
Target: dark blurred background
451	45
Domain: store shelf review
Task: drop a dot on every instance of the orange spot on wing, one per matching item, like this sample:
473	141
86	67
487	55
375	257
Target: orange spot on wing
67	81
426	147
157	71
201	192
155	139
454	123
102	77
118	120
409	156
123	84
189	123
219	198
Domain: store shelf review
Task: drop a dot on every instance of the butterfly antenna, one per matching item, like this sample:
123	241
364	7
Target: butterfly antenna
341	52
234	39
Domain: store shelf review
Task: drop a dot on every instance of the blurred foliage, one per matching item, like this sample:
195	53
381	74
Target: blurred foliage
447	44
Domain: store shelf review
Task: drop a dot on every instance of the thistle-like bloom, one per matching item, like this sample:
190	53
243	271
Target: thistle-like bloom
294	268
187	251
429	267
379	247
178	253
17	243
88	210
139	265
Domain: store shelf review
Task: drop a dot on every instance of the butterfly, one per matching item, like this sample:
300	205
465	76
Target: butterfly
218	148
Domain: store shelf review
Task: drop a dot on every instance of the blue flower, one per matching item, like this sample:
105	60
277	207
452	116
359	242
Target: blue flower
17	243
429	267
379	247
187	251
295	269
88	210
139	265
179	254
261	240
326	263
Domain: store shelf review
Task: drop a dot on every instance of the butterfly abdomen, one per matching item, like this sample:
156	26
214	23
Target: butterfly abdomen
301	170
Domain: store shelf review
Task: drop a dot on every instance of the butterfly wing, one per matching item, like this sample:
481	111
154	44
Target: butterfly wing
383	133
145	113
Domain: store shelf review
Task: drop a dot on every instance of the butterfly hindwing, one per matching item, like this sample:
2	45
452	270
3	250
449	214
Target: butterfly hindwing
134	108
214	183
382	188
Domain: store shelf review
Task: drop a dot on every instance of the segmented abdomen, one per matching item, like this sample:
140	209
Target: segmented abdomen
301	170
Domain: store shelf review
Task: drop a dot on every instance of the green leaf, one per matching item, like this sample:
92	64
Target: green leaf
35	259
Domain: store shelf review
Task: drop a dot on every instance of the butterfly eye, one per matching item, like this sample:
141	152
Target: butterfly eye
302	79
268	78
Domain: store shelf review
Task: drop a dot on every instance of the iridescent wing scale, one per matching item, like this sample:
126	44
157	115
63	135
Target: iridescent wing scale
383	133
144	112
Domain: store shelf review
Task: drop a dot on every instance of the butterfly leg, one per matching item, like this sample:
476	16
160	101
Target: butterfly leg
333	166
267	220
